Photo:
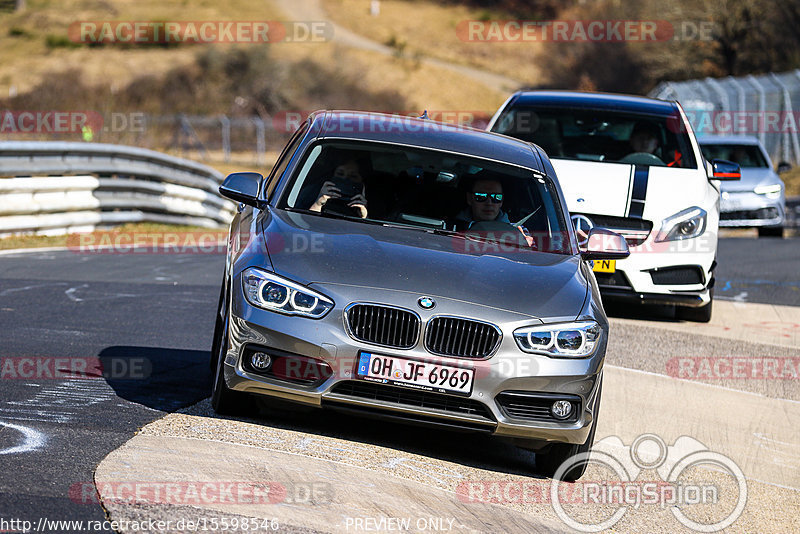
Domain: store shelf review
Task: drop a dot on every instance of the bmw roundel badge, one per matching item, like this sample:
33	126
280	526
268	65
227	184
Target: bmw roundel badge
426	303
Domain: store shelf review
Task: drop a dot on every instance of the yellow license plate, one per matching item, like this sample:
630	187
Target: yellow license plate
604	266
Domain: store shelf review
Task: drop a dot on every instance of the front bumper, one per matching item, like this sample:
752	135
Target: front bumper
746	209
673	273
507	370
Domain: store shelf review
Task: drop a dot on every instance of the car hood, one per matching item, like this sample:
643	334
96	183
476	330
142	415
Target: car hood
613	188
317	250
751	178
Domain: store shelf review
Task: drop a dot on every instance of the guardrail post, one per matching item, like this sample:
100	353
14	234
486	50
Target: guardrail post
762	104
740	98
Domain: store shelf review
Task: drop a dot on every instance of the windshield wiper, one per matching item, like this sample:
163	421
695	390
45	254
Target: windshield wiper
525	219
387	224
333	215
436	231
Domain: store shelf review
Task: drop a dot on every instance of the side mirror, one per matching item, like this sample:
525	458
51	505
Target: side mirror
242	187
783	167
602	244
725	170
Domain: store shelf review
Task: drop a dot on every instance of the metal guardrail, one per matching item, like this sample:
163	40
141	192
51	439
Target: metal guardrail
61	187
765	106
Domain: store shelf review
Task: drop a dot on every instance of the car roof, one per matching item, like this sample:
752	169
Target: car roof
582	99
728	140
426	133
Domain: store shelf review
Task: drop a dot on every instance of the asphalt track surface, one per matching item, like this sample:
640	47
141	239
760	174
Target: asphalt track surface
151	316
147	310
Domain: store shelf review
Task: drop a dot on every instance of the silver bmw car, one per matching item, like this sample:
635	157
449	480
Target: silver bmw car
405	269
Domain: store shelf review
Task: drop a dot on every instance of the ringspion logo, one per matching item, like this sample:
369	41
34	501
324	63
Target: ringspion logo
704	490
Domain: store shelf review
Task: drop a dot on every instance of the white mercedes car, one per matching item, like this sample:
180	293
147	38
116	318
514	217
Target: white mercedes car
632	165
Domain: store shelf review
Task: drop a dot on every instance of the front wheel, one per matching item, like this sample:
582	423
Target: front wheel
224	400
775	231
547	463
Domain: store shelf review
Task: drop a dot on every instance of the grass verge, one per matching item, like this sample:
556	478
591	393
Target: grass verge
436	30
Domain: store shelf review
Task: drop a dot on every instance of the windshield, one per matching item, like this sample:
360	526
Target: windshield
748	156
601	135
432	191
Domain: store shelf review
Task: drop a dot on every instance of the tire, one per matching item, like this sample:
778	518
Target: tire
224	400
548	462
696	315
218	326
774	231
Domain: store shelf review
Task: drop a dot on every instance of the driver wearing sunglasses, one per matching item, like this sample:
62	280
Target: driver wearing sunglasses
484	200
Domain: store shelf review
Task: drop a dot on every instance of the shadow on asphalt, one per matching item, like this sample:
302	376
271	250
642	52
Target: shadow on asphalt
465	448
159	378
644	312
171	379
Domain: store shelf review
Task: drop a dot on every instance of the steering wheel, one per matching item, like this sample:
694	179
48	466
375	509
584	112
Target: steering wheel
642	158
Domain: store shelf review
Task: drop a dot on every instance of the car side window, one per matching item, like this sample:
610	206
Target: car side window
284	159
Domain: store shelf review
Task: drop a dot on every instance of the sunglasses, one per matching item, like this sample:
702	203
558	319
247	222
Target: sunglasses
497	198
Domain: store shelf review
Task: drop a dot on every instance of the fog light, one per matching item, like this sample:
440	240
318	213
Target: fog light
260	361
561	409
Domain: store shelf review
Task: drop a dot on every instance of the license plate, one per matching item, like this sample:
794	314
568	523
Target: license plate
425	376
731	204
604	266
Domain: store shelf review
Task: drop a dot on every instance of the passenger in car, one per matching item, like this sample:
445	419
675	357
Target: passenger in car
346	187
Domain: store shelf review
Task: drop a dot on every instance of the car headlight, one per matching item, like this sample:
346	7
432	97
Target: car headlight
275	293
686	224
576	340
770	191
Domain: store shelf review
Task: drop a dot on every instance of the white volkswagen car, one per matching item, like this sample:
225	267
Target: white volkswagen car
758	200
632	165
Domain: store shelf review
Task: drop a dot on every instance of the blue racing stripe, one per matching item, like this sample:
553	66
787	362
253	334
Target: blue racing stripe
639	191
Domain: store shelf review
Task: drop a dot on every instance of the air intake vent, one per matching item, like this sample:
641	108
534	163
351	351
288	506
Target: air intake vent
451	336
382	325
677	276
